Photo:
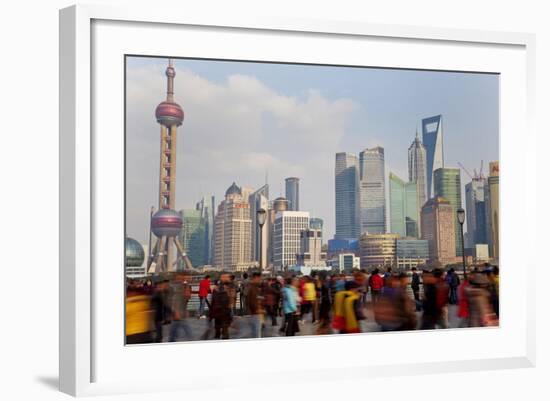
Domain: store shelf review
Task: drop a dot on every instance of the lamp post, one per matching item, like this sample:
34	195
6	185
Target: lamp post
261	215
460	215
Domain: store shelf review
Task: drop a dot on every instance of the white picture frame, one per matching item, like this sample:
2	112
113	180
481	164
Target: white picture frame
81	347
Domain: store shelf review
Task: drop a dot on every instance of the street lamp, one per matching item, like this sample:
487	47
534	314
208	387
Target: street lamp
461	215
261	215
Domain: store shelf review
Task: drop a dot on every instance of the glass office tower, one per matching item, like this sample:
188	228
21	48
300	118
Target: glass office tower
346	196
447	185
372	193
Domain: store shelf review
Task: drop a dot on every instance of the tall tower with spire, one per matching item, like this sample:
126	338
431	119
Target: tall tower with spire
169	115
417	169
166	223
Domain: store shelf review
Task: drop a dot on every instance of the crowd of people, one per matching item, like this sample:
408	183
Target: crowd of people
332	303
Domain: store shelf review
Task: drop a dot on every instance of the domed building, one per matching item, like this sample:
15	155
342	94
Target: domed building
232	231
134	257
233	190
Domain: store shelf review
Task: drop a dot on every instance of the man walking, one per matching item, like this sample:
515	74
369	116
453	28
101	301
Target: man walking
415	286
204	290
254	305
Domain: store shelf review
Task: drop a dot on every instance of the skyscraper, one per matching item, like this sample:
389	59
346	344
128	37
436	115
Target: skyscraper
347	196
492	209
417	170
259	199
286	242
447	185
438	222
292	192
432	137
278	205
404	216
316	223
475	212
310	253
233	229
372	194
193	236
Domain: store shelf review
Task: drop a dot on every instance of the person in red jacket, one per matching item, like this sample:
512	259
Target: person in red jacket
376	283
204	290
463	308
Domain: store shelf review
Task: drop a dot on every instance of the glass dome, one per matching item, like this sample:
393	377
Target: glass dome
134	252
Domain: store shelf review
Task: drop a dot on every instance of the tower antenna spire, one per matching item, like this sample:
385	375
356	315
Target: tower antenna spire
170	74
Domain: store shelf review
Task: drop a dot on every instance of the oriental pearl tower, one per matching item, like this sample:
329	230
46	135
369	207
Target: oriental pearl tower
166	223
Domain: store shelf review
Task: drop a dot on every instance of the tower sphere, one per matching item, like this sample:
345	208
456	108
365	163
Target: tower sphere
134	253
169	113
170	72
166	222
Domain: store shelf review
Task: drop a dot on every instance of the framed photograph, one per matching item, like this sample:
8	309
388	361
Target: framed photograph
232	188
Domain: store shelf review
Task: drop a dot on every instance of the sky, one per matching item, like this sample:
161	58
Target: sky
246	120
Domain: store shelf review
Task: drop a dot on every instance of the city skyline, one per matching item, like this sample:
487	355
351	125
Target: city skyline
320	117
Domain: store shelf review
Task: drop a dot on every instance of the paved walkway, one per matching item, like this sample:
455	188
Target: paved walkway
203	329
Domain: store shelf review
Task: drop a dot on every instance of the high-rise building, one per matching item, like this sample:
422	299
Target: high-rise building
475	212
411	252
447	185
278	205
372	193
311	253
492	209
432	138
438	222
316	223
347	262
378	250
193	237
206	208
404	216
417	170
259	199
286	237
292	193
347	196
232	233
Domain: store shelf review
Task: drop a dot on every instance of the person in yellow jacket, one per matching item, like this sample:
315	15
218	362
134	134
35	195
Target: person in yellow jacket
309	298
347	310
139	316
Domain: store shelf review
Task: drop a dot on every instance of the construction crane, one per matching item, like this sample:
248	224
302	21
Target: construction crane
478	176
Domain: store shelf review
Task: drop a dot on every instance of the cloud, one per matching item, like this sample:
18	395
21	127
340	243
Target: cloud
234	130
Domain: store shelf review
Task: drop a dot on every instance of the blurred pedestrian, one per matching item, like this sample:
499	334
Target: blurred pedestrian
290	301
138	316
453	281
309	297
220	310
347	310
254	305
376	283
243	292
204	290
161	308
270	294
436	298
395	309
481	313
180	295
324	305
415	286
